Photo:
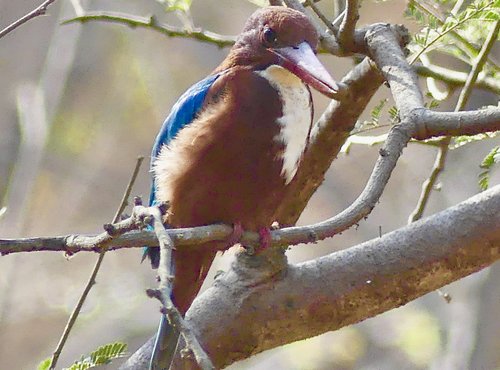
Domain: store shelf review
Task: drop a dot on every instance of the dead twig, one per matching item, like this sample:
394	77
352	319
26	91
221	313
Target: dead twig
40	10
111	231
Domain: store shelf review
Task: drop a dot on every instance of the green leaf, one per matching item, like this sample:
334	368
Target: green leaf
374	116
394	114
101	356
45	364
437	33
376	111
460	141
492	158
431	103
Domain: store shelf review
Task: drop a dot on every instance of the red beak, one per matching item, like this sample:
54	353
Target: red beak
302	62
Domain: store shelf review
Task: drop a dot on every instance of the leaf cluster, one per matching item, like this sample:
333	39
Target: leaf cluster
101	356
492	158
459	34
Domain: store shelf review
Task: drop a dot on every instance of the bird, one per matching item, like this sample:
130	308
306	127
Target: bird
232	144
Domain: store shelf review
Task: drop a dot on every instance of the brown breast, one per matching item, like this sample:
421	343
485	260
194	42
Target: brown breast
227	166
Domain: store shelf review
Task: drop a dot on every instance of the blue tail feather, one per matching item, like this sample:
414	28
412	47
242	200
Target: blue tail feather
165	346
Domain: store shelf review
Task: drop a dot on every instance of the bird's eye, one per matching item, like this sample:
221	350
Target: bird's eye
270	36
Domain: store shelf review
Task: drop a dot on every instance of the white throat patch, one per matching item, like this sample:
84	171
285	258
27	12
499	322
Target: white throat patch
296	119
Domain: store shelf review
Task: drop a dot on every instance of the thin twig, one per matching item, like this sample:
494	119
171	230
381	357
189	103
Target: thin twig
439	164
328	42
455	78
345	36
40	10
468	47
164	290
97	266
151	23
429	184
321	16
478	66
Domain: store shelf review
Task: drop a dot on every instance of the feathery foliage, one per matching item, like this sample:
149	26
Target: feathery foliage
460	141
491	159
101	356
454	34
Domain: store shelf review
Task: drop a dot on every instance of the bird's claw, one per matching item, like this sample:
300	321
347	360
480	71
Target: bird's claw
265	238
235	236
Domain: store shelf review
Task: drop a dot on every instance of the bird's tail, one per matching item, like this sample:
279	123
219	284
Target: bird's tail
165	345
190	269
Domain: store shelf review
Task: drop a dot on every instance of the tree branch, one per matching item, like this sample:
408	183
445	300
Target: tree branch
40	10
328	136
164	290
342	288
347	27
328	42
440	161
432	124
455	78
321	16
151	23
91	282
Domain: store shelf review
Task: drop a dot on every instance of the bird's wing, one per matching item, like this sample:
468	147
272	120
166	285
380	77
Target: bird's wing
183	112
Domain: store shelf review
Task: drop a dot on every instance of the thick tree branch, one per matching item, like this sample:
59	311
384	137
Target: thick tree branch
432	124
342	288
388	55
151	23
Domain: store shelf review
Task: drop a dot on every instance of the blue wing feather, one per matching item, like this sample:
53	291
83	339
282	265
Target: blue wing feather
183	112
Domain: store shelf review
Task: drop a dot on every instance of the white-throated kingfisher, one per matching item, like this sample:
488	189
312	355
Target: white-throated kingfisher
232	144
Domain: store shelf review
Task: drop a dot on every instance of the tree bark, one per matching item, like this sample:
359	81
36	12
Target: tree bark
260	304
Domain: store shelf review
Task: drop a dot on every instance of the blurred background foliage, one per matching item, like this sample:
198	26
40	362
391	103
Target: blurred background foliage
80	102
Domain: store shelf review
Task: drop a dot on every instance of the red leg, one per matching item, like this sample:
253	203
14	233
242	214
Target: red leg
235	236
265	238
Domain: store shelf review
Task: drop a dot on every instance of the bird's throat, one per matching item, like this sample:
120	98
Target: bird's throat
296	118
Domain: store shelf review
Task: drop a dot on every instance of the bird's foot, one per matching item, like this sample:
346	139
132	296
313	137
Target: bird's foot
235	236
265	238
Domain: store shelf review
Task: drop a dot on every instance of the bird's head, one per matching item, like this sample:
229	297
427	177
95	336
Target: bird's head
285	37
